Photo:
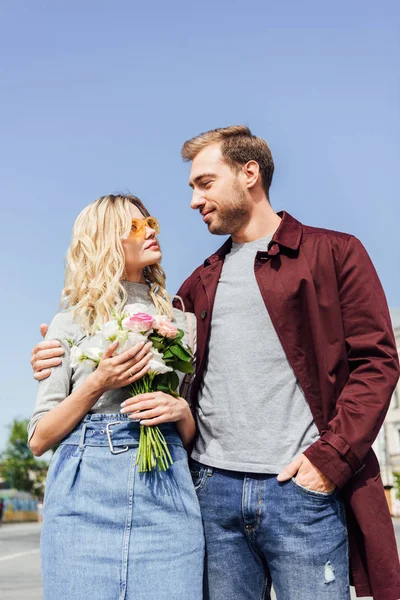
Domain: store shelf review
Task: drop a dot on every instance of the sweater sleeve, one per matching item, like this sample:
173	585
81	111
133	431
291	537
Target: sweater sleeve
57	386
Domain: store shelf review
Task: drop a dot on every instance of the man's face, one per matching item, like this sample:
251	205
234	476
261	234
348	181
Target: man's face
219	192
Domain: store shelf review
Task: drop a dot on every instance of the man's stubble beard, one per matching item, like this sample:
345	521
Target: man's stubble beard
233	215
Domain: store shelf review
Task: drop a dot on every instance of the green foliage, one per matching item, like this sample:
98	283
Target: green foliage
167	382
180	352
396	477
180	365
175	356
18	466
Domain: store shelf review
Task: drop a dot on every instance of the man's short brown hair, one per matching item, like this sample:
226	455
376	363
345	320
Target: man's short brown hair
238	146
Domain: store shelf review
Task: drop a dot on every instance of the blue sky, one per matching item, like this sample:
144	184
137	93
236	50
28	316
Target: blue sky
97	97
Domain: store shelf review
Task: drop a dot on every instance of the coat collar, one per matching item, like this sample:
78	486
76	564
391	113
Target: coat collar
288	235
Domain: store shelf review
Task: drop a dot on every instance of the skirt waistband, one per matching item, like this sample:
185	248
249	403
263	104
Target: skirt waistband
114	430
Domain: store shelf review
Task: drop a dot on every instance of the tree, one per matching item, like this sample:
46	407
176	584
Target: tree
18	466
396	477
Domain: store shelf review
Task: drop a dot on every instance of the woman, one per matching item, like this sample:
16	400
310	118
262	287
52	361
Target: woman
110	532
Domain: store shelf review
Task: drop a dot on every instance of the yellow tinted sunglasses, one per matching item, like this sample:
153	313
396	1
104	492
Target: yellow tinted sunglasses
139	225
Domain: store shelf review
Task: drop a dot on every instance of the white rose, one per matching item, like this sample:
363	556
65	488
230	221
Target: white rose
93	354
122	335
109	330
157	364
88	357
76	356
129	339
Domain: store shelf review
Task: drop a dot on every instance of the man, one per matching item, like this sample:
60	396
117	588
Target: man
296	365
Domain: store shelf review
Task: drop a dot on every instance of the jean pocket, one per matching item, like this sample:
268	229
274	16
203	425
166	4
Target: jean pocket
199	474
313	493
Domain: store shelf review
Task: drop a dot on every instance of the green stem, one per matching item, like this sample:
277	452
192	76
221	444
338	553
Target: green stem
153	449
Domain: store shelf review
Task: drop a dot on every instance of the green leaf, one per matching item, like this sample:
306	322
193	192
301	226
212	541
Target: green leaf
182	366
180	352
173	380
158	345
156	338
160	380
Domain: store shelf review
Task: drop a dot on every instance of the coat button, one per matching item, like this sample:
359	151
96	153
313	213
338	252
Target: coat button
203	314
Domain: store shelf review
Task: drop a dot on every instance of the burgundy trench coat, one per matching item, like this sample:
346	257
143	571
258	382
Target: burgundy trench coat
329	310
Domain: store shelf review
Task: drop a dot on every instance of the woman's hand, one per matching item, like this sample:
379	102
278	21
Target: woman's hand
155	408
115	372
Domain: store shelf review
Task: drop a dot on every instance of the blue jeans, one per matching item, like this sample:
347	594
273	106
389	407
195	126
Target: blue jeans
111	533
261	532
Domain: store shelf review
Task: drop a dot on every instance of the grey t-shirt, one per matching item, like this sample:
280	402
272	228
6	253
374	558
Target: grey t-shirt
252	413
63	379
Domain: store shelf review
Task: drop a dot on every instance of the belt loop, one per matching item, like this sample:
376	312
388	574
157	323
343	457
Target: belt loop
82	439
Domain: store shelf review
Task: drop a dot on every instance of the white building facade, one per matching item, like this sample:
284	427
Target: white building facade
387	444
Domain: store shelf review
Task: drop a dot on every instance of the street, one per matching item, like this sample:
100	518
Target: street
20	562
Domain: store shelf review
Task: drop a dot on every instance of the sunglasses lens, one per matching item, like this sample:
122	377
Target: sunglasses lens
136	226
153	224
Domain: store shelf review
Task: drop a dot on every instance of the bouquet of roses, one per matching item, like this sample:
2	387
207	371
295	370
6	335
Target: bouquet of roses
169	355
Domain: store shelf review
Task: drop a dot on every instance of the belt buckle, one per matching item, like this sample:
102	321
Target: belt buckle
108	431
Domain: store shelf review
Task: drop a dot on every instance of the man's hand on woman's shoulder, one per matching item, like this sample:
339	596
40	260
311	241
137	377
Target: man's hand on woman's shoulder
45	355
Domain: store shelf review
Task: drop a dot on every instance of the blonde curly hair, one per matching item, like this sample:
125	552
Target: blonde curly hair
95	263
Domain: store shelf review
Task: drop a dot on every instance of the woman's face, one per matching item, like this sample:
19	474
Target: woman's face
141	249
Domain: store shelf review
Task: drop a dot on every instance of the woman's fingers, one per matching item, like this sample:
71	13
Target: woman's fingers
134	366
144	405
133	370
139	375
134	352
152	408
155	421
110	350
120	359
135	400
145	351
124	369
147	414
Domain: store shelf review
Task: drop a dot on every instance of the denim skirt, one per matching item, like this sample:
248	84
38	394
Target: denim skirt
112	533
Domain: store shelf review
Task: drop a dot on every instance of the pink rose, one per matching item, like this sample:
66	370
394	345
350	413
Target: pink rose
140	322
165	327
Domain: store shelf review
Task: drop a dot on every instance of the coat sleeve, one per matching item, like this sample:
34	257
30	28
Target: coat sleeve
373	365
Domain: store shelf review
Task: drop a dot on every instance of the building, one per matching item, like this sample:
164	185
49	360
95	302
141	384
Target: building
387	444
